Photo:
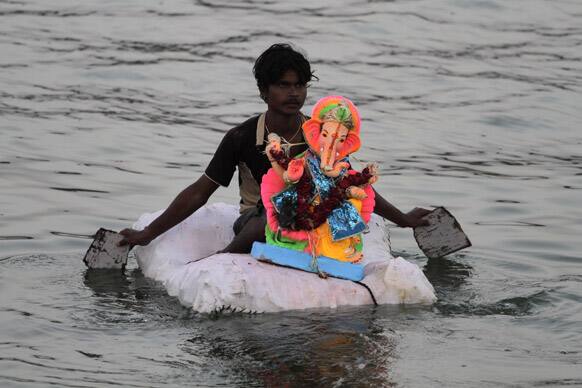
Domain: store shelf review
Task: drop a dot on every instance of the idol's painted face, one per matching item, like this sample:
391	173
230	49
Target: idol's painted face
287	95
331	141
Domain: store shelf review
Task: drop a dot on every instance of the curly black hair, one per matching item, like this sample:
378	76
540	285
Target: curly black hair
276	60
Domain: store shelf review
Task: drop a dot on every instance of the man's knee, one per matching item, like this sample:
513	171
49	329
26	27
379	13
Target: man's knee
255	228
256	217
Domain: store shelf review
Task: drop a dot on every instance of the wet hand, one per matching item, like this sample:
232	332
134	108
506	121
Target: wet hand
134	237
415	218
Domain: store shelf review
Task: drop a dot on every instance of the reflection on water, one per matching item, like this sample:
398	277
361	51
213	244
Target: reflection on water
446	274
108	282
301	349
108	110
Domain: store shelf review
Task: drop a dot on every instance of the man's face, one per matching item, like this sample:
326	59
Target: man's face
287	95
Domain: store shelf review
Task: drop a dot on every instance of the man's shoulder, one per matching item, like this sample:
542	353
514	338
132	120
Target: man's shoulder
247	127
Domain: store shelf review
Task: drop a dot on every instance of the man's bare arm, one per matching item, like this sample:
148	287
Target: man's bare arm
411	219
185	204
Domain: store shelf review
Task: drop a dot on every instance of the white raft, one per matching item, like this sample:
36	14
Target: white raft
238	282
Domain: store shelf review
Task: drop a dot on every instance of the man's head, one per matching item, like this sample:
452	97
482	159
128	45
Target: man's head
282	76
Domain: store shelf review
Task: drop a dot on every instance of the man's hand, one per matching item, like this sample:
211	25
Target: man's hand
414	218
134	237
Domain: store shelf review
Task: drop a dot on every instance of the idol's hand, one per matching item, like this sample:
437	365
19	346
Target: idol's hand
337	169
356	192
294	171
374	171
274	144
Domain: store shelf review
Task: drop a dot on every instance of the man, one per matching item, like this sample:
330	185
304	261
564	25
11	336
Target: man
282	76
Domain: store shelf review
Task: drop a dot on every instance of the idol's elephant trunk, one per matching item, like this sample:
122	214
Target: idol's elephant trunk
329	153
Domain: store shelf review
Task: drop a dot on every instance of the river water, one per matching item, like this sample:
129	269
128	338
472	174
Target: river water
109	108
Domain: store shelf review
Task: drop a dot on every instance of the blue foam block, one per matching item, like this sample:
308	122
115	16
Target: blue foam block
301	260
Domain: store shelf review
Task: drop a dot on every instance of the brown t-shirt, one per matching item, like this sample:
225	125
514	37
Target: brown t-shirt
244	147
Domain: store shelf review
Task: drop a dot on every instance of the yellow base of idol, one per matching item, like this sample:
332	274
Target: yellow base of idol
348	249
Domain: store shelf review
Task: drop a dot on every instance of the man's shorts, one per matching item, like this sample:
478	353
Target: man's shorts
247	215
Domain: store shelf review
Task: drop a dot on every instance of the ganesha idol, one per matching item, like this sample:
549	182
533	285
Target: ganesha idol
316	203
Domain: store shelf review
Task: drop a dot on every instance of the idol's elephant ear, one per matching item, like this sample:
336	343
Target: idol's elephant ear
311	130
350	145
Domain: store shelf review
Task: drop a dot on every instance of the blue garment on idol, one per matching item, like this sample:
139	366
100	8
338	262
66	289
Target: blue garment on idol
344	221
